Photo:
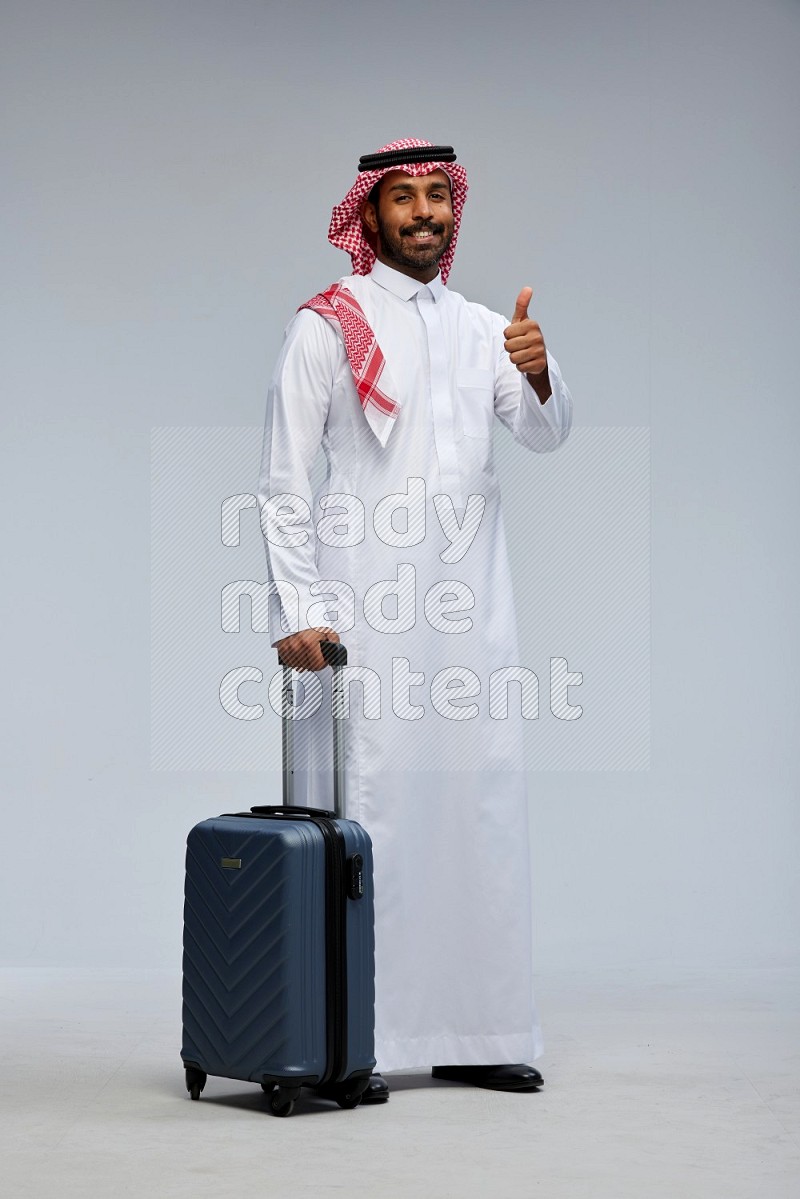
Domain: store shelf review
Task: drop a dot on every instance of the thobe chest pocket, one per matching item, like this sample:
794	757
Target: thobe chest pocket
475	400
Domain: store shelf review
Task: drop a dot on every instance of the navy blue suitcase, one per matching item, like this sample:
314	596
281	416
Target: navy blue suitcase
278	945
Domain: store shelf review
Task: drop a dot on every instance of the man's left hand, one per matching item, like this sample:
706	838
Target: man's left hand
525	346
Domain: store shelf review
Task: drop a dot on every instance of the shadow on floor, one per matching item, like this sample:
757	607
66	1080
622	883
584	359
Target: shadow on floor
254	1099
413	1082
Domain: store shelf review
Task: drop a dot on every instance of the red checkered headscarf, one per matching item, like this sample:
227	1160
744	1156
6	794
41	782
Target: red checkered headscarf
346	230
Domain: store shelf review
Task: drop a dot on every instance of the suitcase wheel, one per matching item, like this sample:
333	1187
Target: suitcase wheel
281	1101
348	1095
195	1081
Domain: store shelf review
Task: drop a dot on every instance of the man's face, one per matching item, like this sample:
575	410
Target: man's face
413	220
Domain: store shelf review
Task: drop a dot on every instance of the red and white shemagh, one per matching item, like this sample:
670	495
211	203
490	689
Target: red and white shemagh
340	306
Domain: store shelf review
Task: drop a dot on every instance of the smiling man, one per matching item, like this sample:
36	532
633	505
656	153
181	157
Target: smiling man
400	380
413	223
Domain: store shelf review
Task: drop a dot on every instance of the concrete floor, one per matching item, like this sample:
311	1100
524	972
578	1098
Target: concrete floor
676	1084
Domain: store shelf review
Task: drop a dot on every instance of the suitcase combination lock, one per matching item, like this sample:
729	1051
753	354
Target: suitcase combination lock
355	876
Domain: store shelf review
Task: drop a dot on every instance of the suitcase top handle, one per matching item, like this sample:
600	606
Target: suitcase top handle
290	810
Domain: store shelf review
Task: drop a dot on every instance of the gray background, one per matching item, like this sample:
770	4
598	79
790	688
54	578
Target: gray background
169	174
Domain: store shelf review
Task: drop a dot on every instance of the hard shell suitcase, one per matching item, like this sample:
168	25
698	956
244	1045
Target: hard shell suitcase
278	945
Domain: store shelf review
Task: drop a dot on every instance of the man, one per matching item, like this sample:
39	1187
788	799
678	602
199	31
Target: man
401	552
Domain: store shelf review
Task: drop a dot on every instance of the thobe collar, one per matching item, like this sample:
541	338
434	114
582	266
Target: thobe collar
403	285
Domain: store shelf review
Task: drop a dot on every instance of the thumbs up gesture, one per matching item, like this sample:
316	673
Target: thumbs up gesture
524	341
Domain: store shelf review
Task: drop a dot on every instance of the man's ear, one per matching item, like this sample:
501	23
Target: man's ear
369	216
369	223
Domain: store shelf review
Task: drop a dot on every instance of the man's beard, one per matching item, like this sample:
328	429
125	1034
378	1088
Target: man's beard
404	252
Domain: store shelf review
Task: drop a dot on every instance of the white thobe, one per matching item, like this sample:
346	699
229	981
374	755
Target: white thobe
435	773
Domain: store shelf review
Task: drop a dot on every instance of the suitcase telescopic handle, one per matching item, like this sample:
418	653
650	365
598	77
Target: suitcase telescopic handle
335	655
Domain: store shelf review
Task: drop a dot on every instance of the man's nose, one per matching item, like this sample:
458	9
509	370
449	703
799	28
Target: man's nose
422	208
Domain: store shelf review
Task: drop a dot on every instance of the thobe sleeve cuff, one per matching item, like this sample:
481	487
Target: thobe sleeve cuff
543	427
299	606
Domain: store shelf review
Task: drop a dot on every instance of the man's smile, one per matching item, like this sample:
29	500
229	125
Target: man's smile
423	235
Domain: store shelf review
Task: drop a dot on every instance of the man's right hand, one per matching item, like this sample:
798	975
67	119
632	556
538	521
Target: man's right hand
301	651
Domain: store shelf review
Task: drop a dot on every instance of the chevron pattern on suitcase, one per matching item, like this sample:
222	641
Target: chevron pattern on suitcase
254	950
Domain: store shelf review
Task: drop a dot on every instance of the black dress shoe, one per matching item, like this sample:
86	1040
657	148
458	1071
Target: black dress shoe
495	1078
377	1090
